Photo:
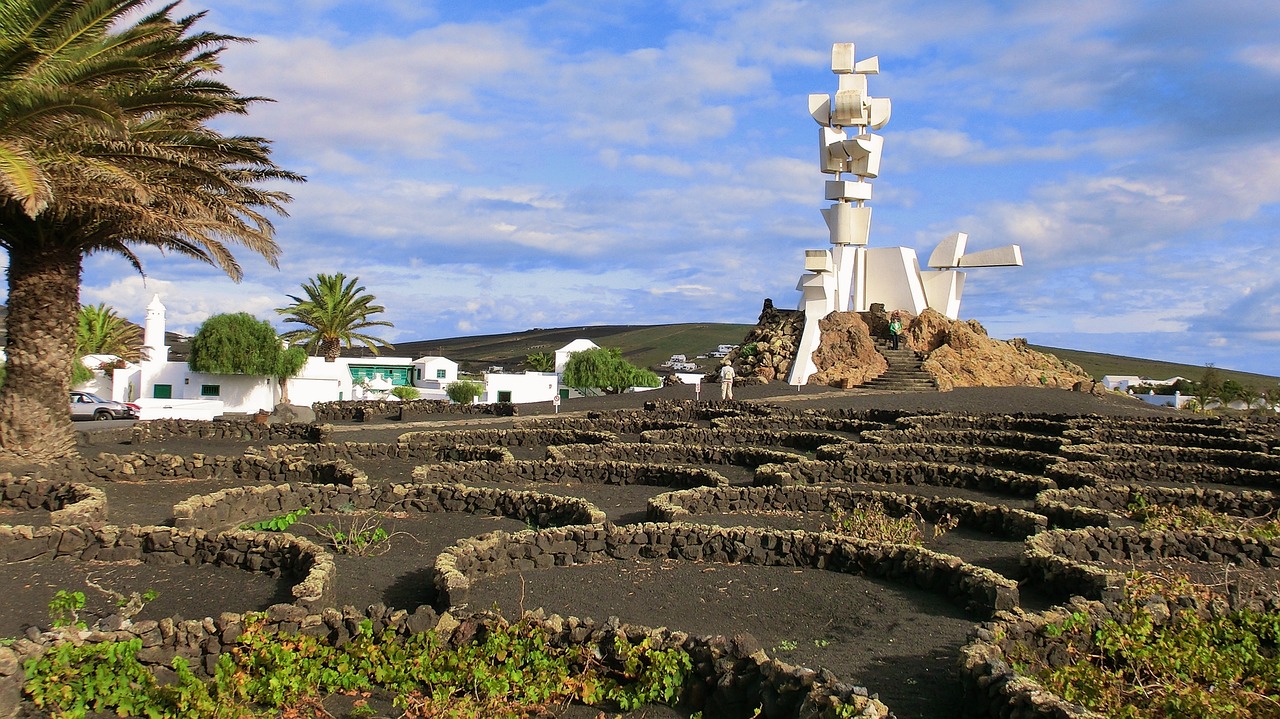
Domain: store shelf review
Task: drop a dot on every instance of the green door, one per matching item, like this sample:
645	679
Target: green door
162	391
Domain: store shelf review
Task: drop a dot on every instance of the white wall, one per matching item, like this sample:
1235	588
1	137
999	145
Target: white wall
524	388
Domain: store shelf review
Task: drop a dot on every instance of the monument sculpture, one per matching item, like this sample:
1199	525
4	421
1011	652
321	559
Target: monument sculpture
850	276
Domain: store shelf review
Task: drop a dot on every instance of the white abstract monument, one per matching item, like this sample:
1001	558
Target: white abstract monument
851	276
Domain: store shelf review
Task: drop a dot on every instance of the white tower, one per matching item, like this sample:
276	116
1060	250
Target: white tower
154	348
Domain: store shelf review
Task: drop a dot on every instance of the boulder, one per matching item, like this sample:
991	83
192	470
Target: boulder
847	356
960	354
291	413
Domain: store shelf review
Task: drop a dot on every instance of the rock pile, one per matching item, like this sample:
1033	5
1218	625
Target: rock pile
956	353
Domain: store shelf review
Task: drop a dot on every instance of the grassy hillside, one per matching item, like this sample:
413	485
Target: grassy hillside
1098	364
649	345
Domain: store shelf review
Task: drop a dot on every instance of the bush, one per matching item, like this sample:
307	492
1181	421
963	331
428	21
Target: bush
463	391
404	393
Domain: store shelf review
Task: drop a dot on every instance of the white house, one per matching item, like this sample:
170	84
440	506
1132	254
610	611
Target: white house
520	388
1124	382
562	354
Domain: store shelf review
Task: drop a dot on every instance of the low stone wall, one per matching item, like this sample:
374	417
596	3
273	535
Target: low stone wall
250	551
1230	458
108	466
1057	559
1078	473
366	409
556	472
800	421
1215	426
968	437
241	505
990	519
1122	435
376	451
618	422
997	481
533	437
670	454
68	503
688	410
1017	460
977	589
158	430
1096	506
743	436
730	677
1028	424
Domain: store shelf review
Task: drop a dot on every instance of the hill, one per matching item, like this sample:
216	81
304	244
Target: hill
643	345
1098	364
650	345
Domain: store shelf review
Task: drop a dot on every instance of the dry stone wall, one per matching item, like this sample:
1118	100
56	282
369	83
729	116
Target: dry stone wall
158	430
683	505
998	457
621	473
913	473
670	454
977	589
241	505
68	503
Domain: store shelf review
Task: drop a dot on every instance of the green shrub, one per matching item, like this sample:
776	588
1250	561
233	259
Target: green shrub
464	391
405	393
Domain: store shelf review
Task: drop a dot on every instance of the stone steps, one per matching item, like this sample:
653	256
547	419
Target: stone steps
904	373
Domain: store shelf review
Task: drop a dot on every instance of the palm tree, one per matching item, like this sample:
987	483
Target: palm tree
104	148
100	331
335	311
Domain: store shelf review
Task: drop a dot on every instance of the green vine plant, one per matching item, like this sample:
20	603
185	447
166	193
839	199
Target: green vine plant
65	608
871	521
1162	517
278	524
509	670
360	535
1192	664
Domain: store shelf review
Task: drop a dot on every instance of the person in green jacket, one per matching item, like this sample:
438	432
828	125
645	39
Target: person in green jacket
895	330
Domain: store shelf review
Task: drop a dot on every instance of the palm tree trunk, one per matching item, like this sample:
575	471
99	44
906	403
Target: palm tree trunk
44	296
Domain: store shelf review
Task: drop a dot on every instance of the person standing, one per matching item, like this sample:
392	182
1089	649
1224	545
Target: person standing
895	330
726	381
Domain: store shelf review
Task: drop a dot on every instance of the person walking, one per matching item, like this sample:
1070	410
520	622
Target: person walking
726	381
895	330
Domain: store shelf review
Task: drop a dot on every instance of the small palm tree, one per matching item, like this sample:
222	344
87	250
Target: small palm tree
334	312
541	362
100	331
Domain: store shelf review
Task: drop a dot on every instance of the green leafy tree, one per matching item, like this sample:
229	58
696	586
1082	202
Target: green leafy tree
101	331
290	363
603	369
105	146
335	311
1209	387
236	343
463	391
541	362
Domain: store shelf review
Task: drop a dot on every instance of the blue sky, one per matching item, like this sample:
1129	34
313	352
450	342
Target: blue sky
491	167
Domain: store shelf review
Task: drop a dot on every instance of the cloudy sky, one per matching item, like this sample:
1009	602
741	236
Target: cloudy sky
491	167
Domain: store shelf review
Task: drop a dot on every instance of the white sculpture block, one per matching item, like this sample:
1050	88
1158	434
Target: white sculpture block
870	66
943	289
842	58
852	105
849	225
881	109
1007	256
949	251
893	278
818	261
820	109
864	153
848	190
833	157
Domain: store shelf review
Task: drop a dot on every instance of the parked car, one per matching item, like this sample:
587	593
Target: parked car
86	405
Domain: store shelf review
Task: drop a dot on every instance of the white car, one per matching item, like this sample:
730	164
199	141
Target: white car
86	405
